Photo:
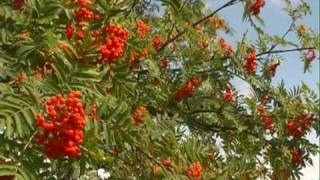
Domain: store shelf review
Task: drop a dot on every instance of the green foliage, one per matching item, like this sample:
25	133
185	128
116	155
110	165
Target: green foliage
229	139
17	114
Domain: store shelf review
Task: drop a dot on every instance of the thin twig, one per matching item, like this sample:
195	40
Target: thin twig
284	51
30	140
283	37
24	149
230	3
151	158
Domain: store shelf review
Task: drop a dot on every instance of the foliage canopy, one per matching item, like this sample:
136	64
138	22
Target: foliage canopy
154	82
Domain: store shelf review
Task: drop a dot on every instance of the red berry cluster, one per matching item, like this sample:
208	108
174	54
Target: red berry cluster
20	78
134	55
18	4
164	63
195	170
225	46
302	29
203	45
272	68
296	156
84	3
145	52
93	113
228	94
266	119
187	89
217	22
297	128
156	42
197	29
65	47
113	48
142	28
256	6
166	162
311	55
139	114
82	14
80	35
45	69
69	31
25	33
250	62
38	73
62	126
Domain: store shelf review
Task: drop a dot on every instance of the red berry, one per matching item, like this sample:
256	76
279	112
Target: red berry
156	42
142	28
164	63
261	110
83	14
80	35
305	121
294	129
62	127
113	48
187	89
195	170
272	68
268	122
145	52
256	6
250	62
226	47
84	3
18	4
166	162
93	114
139	114
311	55
69	31
296	156
228	94
203	45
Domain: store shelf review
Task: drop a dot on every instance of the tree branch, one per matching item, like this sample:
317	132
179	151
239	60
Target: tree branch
230	3
283	36
216	128
284	51
151	158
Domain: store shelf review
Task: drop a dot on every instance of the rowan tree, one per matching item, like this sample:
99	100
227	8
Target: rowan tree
143	89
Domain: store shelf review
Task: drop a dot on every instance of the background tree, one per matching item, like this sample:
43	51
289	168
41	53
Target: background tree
143	89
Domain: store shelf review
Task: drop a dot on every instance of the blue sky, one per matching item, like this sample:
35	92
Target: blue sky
291	71
276	23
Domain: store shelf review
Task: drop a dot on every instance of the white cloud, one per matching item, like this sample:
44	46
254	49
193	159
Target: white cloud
312	172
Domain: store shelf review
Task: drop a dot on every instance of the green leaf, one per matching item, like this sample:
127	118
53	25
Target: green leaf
18	115
86	74
20	173
24	51
7	170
